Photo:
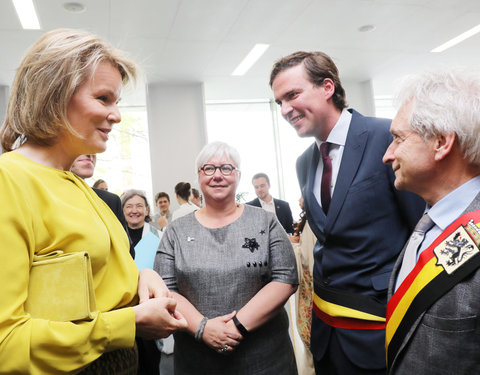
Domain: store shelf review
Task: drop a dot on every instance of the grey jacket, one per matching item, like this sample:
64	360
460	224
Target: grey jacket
445	339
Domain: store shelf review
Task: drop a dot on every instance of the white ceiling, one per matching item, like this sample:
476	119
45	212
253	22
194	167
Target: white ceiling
204	40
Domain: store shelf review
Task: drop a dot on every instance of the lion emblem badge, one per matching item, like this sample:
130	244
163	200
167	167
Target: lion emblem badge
458	247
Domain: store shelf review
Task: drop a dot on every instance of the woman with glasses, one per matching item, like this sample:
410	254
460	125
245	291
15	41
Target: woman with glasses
137	214
231	269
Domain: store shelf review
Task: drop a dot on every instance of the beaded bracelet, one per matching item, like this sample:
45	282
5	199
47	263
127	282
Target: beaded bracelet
200	329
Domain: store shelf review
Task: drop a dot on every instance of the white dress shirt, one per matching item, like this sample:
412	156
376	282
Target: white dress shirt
337	139
270	206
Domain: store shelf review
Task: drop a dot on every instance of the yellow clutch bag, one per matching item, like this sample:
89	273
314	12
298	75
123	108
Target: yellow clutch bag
61	287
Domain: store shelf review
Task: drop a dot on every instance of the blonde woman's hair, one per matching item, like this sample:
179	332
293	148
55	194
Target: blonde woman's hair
53	68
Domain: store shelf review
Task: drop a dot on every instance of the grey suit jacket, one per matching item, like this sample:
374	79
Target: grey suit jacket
445	339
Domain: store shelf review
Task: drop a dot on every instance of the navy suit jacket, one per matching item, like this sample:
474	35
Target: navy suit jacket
359	240
283	211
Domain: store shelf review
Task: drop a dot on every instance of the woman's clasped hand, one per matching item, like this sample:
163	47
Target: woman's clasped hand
221	334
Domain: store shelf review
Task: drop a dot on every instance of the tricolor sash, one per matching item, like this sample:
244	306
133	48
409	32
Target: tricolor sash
446	262
342	309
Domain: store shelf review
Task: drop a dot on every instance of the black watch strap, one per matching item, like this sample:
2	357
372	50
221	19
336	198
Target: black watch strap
240	326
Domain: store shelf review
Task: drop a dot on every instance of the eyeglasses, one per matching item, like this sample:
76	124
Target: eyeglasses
138	206
210	169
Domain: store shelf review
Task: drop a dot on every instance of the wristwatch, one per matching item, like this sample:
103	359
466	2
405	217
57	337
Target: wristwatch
240	326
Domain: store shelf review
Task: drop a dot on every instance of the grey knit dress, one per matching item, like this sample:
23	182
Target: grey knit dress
219	270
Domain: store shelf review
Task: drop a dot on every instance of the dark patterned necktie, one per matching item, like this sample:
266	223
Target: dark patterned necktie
326	177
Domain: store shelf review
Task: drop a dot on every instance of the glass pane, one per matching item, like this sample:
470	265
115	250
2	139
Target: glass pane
291	146
126	163
248	128
384	106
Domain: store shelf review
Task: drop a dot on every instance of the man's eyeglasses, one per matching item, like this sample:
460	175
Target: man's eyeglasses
210	169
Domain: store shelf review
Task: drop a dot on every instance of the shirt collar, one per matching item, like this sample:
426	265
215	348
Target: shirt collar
338	135
451	206
263	202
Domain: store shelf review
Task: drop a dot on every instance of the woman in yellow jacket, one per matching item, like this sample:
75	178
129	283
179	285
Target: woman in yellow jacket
63	103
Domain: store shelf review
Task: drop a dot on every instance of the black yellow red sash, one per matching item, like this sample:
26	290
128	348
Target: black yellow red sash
343	309
448	260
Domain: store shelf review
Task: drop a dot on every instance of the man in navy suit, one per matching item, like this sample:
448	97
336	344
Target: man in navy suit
261	184
360	220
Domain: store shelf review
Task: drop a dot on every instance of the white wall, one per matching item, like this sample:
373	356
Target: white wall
360	96
3	104
176	127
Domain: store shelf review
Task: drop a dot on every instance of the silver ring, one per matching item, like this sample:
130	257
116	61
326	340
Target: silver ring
225	348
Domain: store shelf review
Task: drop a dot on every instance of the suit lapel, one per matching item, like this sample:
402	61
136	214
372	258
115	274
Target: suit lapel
352	156
395	270
277	207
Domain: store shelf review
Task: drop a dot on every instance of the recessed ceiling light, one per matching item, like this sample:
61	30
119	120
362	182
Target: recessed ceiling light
366	28
458	39
27	15
74	7
257	51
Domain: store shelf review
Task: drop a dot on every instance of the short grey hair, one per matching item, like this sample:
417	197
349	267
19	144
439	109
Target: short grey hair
128	194
217	149
445	102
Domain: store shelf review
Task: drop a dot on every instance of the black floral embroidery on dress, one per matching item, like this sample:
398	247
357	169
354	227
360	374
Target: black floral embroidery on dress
262	232
251	243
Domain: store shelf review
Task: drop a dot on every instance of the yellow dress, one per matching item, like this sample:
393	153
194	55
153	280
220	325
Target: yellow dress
45	209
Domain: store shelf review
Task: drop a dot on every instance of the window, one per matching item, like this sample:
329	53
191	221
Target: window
266	143
126	163
384	106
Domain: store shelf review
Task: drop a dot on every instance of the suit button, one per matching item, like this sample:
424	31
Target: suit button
260	263
254	264
248	264
265	263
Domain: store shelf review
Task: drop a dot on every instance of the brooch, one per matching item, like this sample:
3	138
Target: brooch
251	243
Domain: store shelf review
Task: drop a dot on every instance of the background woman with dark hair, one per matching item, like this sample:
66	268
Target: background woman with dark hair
183	192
